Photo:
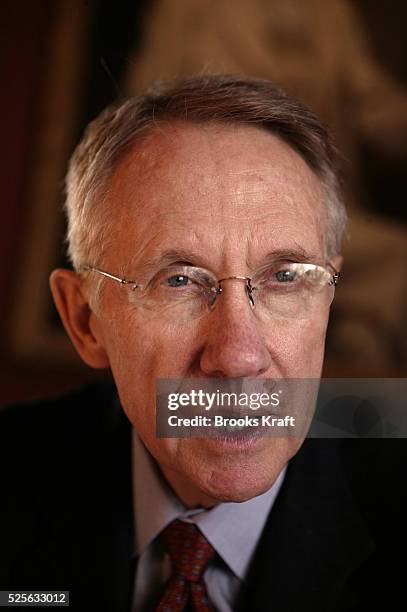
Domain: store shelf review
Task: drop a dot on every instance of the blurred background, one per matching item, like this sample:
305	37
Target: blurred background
64	60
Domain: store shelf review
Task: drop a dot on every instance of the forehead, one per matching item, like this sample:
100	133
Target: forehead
214	187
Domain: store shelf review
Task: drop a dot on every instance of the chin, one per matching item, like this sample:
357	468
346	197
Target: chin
238	493
240	485
208	471
235	483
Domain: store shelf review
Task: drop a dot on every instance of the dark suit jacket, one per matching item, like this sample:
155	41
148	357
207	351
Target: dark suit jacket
331	542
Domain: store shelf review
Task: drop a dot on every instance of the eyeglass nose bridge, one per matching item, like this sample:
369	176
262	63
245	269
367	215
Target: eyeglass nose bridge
249	288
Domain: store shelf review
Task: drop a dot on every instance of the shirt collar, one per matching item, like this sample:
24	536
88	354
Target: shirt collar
156	506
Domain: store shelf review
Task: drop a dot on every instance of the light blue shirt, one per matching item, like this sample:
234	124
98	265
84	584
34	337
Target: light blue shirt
233	529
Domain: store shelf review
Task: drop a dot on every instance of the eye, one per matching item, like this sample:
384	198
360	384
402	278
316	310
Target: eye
285	276
178	280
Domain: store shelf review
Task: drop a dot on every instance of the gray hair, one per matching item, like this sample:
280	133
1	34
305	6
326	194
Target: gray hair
226	99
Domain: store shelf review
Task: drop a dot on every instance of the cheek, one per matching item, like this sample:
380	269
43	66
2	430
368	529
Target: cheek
297	347
140	351
146	346
310	346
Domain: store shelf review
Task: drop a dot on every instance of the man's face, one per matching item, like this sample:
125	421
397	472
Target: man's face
228	196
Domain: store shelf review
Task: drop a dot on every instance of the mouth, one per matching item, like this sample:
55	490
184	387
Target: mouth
230	443
235	436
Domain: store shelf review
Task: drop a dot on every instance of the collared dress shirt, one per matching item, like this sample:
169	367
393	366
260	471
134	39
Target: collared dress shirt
233	529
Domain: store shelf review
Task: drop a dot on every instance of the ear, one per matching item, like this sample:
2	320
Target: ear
337	262
79	320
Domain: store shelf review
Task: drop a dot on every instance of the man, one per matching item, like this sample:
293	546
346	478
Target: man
192	212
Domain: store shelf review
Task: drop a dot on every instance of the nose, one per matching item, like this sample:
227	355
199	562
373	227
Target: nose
235	344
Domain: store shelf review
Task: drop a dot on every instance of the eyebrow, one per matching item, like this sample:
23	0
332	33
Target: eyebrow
167	258
298	254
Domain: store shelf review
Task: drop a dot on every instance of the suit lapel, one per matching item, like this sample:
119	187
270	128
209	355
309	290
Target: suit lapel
315	537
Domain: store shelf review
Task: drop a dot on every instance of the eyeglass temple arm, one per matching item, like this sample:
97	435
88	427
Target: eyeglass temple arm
122	281
335	275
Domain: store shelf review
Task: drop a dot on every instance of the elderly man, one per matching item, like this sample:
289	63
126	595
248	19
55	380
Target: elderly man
195	214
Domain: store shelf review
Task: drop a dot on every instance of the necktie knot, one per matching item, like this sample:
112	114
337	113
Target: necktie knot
188	549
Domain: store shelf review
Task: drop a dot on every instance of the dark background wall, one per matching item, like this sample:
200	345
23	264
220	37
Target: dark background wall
27	34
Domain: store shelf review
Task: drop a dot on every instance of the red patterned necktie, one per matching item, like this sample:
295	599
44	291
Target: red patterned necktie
189	552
